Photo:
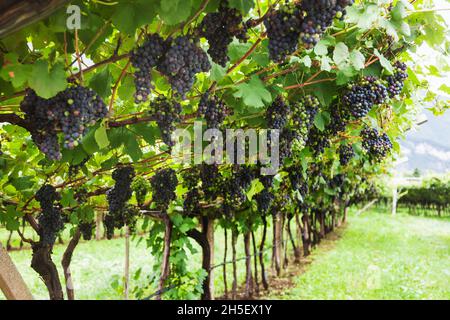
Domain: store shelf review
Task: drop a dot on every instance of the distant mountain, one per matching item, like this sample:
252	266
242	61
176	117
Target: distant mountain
427	148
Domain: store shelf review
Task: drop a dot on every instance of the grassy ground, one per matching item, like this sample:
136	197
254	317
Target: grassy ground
97	266
380	257
376	257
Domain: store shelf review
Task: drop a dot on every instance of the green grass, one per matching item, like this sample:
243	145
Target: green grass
378	257
96	265
381	257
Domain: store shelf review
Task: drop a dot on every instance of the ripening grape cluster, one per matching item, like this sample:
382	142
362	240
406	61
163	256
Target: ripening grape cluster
303	114
209	177
50	219
264	200
127	216
396	82
144	59
318	141
283	30
318	16
213	109
362	96
118	197
304	21
182	62
191	205
287	139
180	59
167	114
338	120
298	181
140	187
346	154
71	111
376	144
75	168
233	188
277	114
219	28
121	192
86	229
164	183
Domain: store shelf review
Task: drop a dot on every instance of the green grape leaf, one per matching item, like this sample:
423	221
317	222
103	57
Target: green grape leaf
101	83
101	137
357	60
384	62
340	54
243	5
46	81
129	16
175	11
253	93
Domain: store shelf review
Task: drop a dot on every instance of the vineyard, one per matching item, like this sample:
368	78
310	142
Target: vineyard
219	142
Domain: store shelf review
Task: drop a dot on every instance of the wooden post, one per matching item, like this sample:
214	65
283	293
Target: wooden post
394	200
11	282
208	229
98	225
15	15
127	263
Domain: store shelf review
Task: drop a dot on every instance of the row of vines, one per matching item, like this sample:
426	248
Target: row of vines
431	197
88	117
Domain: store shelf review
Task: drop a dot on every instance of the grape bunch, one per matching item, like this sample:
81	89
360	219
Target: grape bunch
86	229
233	193
191	177
318	16
75	168
71	111
298	182
287	139
119	195
318	141
277	114
191	205
210	178
264	200
396	82
75	109
376	144
144	58
182	62
141	187
219	28
127	216
244	175
283	30
338	120
213	109
164	183
303	114
167	114
120	213
266	181
336	182
43	131
363	96
50	220
346	154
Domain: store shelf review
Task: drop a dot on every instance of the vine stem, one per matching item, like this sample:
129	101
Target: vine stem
77	52
116	85
246	55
